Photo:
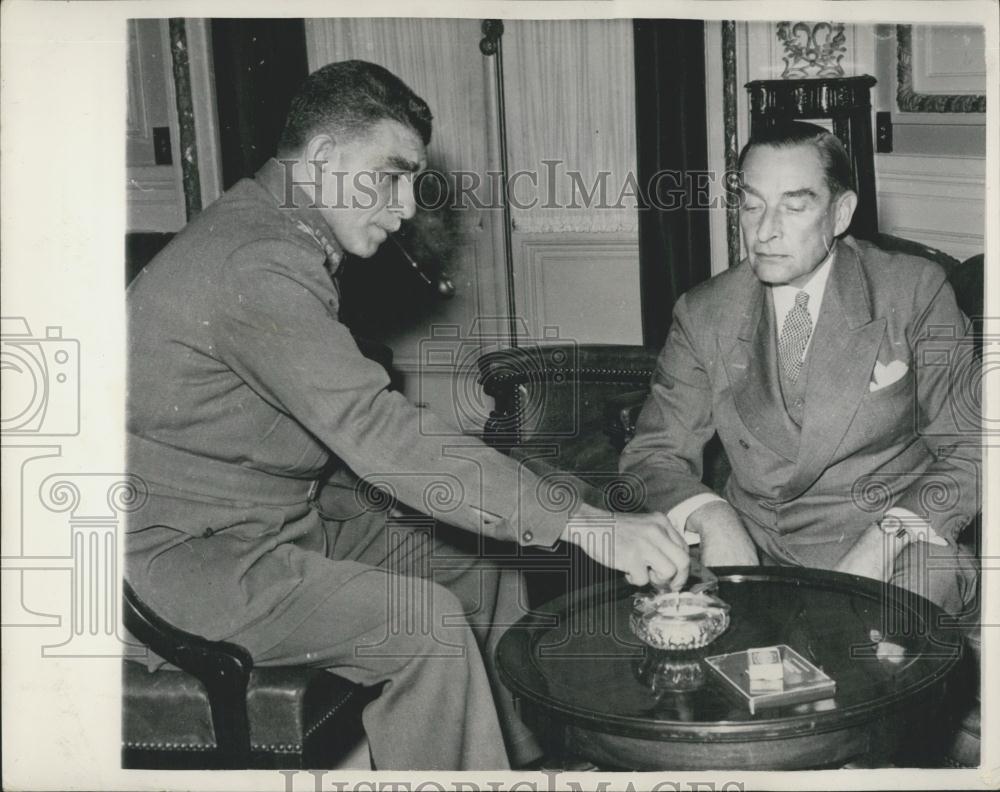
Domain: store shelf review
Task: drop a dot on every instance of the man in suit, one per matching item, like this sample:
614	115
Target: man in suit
839	380
255	423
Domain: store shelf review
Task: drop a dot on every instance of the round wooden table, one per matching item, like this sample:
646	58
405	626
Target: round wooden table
592	690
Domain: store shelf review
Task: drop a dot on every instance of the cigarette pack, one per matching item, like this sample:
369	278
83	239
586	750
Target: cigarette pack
765	664
800	680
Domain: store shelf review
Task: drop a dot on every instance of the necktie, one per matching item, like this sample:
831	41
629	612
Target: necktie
794	336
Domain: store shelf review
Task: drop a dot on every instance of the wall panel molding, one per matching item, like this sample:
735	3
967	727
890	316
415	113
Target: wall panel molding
939	201
959	245
137	119
945	176
583	284
154	199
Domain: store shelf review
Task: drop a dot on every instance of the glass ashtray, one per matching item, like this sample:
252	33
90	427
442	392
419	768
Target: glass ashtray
678	621
667	672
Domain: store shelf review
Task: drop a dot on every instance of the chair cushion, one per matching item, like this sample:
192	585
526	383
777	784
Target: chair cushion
169	710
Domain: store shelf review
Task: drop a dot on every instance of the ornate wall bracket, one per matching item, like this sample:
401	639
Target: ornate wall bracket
910	101
812	49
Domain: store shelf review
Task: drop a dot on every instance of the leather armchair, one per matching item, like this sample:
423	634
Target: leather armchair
556	394
218	711
214	709
582	400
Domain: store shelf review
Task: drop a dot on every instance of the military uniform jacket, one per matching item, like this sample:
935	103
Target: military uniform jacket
242	387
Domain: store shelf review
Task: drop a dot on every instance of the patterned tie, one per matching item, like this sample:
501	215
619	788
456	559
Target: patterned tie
795	334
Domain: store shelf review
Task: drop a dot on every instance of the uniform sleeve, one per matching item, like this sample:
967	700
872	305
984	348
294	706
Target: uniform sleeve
675	422
278	330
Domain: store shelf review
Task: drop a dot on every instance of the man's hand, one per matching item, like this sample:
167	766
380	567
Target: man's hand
646	547
724	540
873	554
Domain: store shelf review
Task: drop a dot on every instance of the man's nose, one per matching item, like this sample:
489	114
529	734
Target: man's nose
404	202
769	226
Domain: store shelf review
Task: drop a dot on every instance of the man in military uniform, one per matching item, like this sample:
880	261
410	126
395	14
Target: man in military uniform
245	391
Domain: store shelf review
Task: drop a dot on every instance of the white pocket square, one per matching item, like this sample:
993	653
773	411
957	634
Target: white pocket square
884	375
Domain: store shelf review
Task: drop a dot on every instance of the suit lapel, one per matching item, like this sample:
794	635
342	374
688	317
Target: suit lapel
840	360
749	356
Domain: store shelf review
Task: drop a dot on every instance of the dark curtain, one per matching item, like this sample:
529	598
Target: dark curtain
259	65
671	134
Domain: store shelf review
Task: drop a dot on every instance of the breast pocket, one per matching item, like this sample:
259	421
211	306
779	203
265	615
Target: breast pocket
888	413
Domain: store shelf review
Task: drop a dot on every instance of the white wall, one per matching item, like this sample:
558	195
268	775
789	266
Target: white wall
155	195
931	188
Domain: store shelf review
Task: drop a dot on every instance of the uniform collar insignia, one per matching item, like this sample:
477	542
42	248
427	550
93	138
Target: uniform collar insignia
299	210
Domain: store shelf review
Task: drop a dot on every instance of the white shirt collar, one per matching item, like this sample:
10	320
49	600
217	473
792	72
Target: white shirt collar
784	295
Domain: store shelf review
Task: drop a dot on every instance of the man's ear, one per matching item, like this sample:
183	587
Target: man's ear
844	208
322	148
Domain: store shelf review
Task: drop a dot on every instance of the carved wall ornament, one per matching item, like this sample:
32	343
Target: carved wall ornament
812	49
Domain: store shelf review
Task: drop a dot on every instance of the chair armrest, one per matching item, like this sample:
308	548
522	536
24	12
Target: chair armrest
222	667
620	415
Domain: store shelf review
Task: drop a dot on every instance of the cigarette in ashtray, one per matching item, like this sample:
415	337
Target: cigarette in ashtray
678	621
764	664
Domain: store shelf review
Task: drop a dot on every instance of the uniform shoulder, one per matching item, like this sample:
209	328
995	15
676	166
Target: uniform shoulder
258	232
248	213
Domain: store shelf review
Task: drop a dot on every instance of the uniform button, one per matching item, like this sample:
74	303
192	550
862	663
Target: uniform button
744	443
527	536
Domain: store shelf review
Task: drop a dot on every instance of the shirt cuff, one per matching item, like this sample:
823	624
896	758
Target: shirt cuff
678	515
916	527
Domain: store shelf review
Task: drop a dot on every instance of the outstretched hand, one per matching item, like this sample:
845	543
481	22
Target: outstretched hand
646	547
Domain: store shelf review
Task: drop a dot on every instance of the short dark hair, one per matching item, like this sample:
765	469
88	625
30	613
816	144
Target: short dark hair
832	154
346	99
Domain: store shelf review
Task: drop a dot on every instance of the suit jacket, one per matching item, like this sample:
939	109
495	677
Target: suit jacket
914	443
243	387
